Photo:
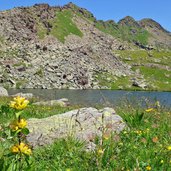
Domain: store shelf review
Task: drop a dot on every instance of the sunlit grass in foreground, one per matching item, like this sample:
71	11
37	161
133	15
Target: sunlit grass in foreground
144	145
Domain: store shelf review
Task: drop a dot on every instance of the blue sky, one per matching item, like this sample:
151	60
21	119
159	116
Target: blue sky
159	10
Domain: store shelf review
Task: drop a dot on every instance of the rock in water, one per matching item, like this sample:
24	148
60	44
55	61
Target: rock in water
3	92
60	102
83	124
26	95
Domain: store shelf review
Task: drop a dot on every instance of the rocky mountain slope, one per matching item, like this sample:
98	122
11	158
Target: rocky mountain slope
66	47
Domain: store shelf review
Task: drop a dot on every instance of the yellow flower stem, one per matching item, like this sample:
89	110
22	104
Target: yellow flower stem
19	141
19	134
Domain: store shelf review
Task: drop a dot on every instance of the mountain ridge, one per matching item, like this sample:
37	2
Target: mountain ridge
67	48
140	31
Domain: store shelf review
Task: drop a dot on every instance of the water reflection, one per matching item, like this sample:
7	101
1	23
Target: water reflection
93	97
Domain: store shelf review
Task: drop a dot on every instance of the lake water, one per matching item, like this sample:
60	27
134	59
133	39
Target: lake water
95	97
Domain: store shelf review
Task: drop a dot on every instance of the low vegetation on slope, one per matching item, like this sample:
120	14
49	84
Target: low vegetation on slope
63	25
154	67
126	33
158	79
60	27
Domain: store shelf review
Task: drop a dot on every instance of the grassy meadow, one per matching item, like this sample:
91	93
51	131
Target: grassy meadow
144	145
152	66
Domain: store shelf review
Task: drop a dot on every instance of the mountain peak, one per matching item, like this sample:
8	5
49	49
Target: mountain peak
128	21
42	5
148	22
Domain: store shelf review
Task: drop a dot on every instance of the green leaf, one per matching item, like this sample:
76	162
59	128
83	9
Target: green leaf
18	114
25	131
1	151
141	116
12	166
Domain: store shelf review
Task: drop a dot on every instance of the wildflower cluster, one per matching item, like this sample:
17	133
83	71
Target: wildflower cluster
19	103
18	125
19	149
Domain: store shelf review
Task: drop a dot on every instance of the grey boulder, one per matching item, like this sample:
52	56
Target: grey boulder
3	91
83	124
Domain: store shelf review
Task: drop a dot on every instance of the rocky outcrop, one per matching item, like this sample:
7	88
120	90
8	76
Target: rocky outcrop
160	36
3	92
83	124
139	83
30	62
32	57
129	21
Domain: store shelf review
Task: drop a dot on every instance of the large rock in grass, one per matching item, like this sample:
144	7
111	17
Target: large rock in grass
3	92
84	124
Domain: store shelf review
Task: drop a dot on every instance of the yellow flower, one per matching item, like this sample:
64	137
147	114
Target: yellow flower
162	161
138	132
147	130
169	148
24	149
100	151
68	169
148	168
106	137
16	125
22	123
21	148
150	110
19	103
15	149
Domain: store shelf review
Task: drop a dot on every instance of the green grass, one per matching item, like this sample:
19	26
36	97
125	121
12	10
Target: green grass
1	39
83	14
41	30
115	83
62	26
133	34
19	64
152	65
33	111
158	79
110	28
21	83
124	32
144	143
62	155
143	57
10	53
